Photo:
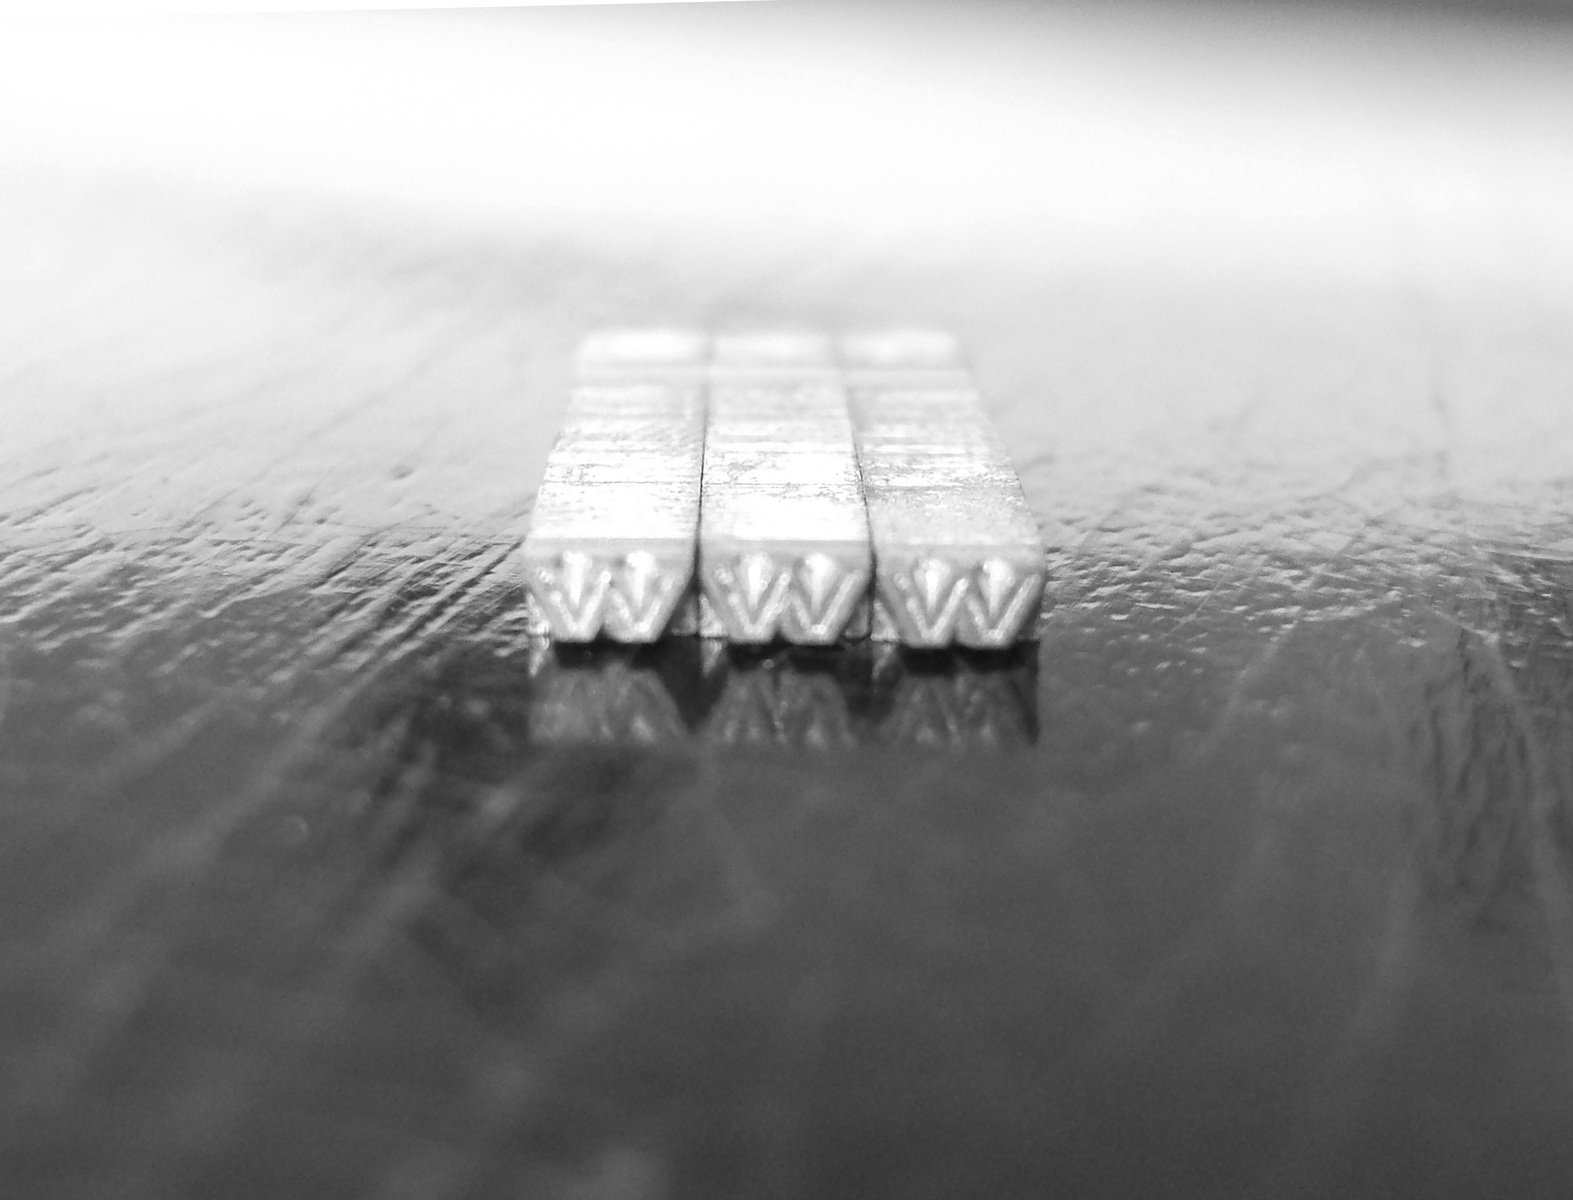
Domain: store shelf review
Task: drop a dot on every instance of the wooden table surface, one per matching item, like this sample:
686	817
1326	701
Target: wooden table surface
1254	879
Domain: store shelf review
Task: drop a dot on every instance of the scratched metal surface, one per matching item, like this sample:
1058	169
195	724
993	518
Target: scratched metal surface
1256	881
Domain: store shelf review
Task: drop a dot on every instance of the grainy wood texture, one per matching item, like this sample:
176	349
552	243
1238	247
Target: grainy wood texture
1252	879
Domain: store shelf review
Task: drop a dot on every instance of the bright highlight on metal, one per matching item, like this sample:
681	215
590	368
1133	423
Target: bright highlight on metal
779	486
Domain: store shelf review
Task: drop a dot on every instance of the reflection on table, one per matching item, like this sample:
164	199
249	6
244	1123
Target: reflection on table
800	697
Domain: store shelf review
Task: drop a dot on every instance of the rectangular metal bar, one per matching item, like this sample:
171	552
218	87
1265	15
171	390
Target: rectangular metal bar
783	534
611	547
958	557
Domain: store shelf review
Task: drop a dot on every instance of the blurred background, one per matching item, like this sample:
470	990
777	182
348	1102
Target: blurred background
1414	158
1352	141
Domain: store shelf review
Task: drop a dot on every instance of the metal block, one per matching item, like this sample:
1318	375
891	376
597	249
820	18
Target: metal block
611	546
644	352
783	534
959	557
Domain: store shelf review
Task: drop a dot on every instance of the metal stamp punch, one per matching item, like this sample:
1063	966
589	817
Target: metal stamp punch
783	534
610	551
781	486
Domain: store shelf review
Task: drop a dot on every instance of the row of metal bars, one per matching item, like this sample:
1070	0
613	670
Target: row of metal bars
781	486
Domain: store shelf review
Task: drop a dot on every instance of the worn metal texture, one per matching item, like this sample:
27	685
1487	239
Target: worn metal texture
319	878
